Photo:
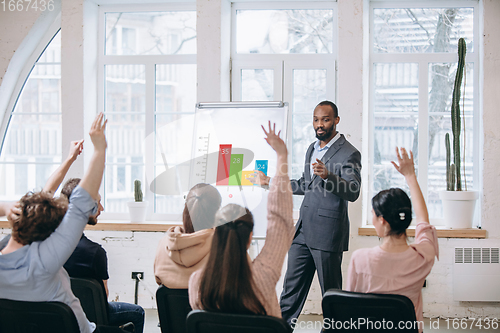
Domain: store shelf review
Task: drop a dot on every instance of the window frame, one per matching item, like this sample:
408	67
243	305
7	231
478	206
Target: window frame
424	60
150	62
284	64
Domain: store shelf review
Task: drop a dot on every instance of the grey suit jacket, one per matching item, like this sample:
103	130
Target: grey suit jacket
323	214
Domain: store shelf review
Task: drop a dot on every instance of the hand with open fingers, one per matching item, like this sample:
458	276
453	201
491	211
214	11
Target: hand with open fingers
406	166
75	149
14	212
259	178
274	140
319	168
97	132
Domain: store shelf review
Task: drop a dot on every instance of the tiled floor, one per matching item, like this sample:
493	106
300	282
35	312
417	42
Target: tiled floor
311	324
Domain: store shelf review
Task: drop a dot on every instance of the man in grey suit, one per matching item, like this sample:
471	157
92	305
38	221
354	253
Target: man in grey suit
330	180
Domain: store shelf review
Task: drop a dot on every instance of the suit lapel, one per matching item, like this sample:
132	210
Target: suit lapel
329	153
307	167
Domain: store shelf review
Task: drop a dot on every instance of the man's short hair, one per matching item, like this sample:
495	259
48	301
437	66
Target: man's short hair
69	186
332	105
40	216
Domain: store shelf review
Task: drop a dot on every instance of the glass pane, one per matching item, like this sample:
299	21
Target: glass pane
441	82
440	125
119	182
174	135
143	33
391	132
257	85
284	31
414	30
309	88
31	149
396	87
125	88
175	88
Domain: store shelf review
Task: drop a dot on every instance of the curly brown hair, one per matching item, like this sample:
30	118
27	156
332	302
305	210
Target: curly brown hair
40	215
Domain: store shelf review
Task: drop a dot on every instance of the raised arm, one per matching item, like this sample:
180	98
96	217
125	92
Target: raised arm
407	169
75	149
91	181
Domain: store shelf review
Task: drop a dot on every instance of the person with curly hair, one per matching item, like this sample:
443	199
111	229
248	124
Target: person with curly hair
45	231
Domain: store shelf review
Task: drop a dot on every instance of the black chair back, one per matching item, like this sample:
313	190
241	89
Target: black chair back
199	321
39	317
92	298
173	308
368	311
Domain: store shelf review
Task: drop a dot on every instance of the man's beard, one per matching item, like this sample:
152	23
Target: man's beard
328	132
92	220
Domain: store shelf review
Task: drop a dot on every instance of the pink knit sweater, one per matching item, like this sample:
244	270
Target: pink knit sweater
266	268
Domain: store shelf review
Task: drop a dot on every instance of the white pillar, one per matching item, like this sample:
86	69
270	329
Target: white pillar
213	49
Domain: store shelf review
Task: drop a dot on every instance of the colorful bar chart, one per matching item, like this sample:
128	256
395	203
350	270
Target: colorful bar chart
223	165
236	166
230	168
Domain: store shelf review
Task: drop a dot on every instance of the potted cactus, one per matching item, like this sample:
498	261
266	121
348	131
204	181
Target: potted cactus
458	202
138	207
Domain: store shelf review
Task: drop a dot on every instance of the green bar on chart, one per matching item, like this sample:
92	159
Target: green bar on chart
236	166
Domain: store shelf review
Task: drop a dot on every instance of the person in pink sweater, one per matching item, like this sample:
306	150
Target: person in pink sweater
396	267
230	281
185	249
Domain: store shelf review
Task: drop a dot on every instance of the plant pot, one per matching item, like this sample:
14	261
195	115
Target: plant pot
137	211
458	208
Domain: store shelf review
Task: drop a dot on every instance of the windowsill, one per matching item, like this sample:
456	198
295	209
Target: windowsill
442	232
109	225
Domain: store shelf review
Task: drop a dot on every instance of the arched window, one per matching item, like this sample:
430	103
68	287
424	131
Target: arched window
31	147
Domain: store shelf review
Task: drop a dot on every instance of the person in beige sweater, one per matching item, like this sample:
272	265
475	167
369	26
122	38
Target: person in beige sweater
185	249
230	282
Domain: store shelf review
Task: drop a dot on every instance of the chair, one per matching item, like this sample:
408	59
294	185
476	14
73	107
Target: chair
368	311
173	308
40	317
91	295
200	321
93	300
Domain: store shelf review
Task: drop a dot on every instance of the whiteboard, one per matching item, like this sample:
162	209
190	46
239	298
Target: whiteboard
228	145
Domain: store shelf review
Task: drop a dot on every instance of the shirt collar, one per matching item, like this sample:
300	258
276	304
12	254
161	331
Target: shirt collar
328	145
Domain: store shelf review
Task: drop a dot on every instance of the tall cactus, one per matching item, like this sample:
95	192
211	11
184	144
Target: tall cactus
137	191
455	110
450	183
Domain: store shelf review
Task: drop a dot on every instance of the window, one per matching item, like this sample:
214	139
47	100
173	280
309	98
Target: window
31	148
413	54
286	52
147	78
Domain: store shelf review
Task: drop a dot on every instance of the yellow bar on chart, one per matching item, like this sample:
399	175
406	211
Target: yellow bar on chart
244	180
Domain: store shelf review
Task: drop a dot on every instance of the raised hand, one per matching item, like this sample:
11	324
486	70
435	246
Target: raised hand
14	212
259	178
319	169
274	140
406	166
75	149
97	133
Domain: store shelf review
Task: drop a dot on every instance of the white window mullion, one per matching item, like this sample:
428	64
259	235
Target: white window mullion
149	130
423	125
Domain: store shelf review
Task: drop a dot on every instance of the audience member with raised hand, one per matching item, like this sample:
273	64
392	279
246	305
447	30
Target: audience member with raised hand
44	235
75	149
185	249
396	267
230	282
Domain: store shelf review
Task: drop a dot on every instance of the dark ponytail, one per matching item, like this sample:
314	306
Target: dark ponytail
226	282
394	206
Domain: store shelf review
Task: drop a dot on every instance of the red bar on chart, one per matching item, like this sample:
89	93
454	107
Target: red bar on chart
223	164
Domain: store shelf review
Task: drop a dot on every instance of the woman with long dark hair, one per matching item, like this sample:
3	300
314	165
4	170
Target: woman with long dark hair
230	281
396	267
185	249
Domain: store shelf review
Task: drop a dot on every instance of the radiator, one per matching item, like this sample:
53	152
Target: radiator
476	274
